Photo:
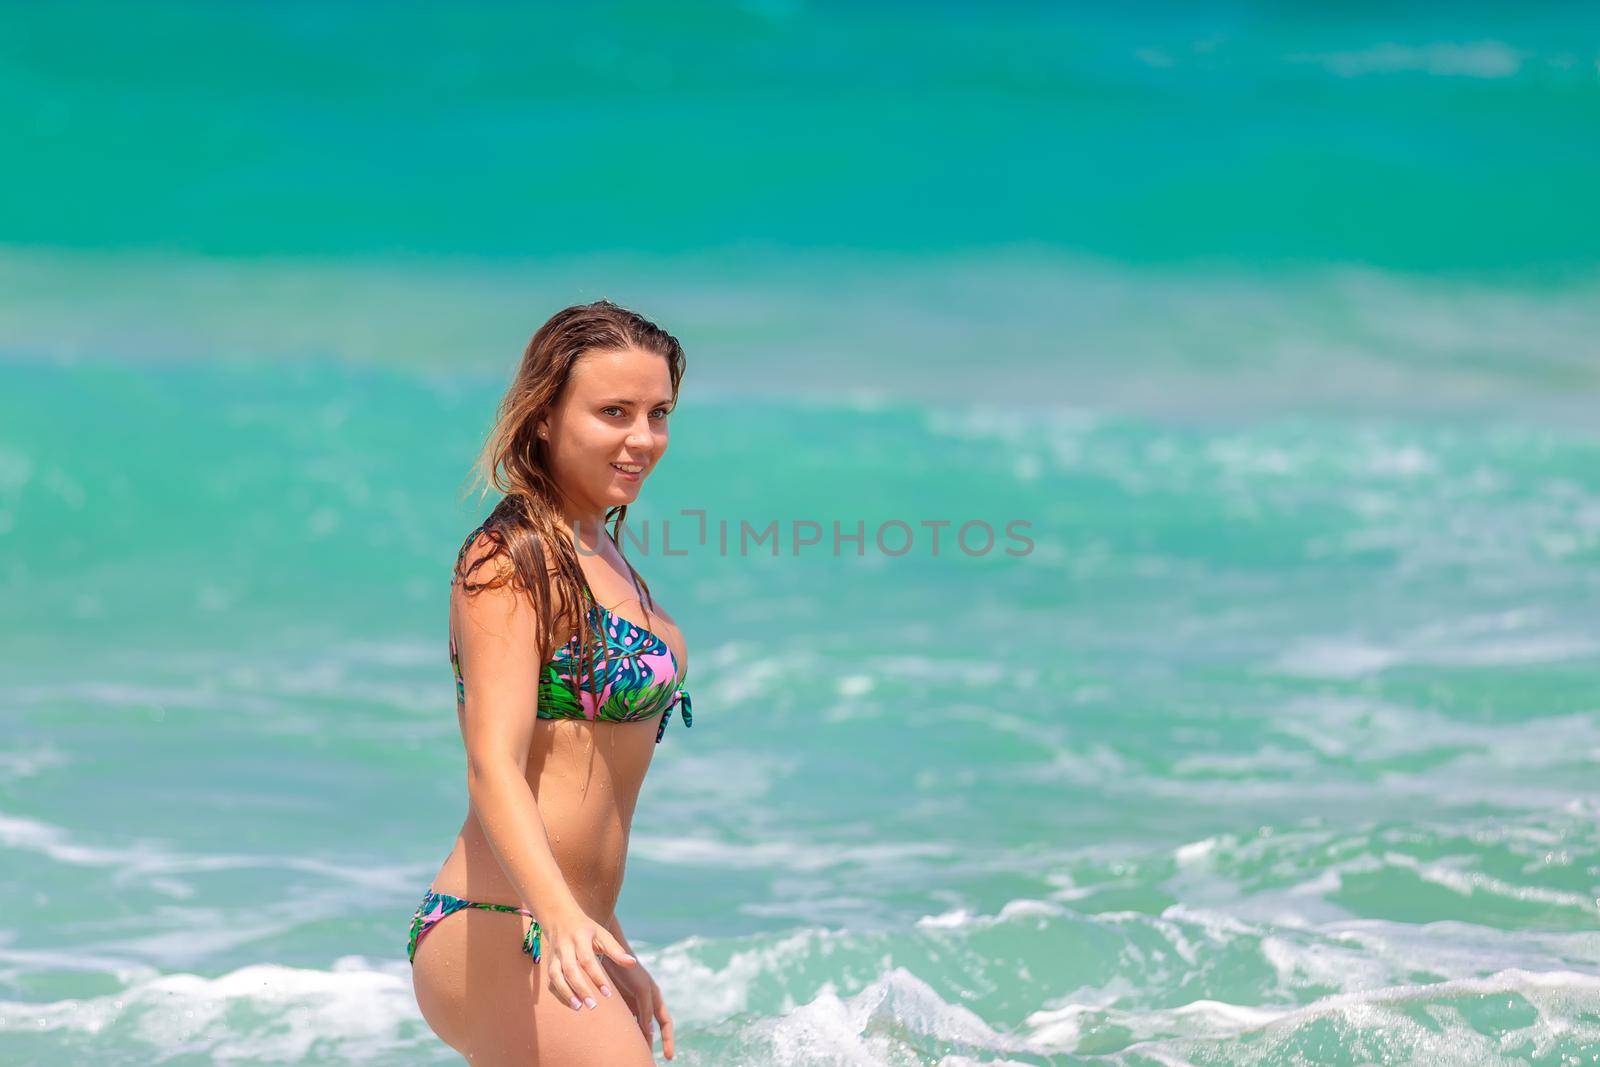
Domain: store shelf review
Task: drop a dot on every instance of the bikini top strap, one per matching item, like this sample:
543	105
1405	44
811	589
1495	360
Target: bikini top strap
633	576
638	590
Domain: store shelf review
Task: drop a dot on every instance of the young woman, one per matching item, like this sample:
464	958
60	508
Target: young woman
566	676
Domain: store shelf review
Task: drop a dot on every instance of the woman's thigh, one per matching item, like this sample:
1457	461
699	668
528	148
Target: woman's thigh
487	1000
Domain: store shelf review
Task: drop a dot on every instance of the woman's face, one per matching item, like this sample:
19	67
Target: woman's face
612	414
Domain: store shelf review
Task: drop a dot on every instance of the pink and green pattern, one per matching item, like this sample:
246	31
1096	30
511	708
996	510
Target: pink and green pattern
640	680
638	674
435	907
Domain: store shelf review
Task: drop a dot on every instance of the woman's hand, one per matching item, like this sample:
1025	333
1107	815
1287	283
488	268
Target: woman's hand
643	997
568	943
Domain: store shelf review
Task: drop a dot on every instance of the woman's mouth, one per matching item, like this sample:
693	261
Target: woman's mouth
630	471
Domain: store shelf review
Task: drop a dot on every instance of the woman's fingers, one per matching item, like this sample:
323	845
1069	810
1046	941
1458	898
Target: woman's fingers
577	975
613	948
558	983
664	1017
646	1019
591	979
584	971
588	977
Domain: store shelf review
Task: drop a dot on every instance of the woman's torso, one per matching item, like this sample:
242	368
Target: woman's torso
585	777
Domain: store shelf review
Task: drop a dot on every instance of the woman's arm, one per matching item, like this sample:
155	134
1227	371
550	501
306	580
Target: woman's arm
498	642
499	645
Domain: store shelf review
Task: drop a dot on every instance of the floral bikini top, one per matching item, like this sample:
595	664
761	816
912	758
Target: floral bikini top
638	675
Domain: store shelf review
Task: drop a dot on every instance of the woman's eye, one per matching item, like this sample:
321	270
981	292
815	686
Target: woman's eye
657	413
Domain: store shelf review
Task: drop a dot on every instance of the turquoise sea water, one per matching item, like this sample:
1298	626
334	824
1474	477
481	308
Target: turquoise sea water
1277	329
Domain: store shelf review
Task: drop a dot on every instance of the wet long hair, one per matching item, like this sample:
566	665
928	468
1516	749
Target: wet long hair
525	543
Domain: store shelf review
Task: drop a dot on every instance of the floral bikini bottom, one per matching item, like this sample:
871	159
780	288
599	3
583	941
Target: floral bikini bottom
437	906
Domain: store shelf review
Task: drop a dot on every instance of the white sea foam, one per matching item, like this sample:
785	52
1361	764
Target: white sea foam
962	918
1471	59
29	762
1354	658
153	863
708	982
259	1013
1565	1002
203	696
780	855
884	1023
1367	730
1373	963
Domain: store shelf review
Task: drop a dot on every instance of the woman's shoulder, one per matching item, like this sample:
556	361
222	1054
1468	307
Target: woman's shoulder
483	560
494	558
